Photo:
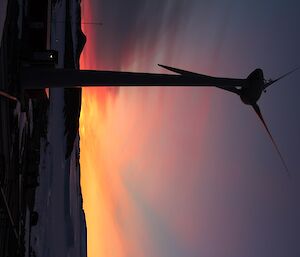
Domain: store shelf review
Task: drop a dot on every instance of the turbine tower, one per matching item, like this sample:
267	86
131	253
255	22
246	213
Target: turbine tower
39	78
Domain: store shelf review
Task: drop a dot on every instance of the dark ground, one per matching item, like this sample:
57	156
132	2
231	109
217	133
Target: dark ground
18	168
10	241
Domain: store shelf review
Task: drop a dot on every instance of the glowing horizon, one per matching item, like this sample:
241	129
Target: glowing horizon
115	134
184	172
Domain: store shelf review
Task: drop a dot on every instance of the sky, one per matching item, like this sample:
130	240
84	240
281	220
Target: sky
191	171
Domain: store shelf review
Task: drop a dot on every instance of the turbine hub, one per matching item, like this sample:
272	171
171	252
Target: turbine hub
252	91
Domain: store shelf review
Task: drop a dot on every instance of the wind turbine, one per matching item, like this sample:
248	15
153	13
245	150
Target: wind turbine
249	91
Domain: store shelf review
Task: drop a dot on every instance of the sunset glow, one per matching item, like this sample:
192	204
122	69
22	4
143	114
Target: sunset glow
123	139
118	129
185	171
128	154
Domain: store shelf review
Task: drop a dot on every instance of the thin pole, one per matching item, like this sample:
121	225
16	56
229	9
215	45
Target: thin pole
9	213
8	96
85	23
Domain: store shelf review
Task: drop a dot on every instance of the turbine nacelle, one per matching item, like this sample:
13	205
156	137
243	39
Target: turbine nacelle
255	84
253	87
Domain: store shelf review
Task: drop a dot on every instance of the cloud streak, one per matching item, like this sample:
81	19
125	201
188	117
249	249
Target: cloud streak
137	29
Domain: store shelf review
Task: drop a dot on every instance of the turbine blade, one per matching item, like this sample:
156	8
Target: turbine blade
176	70
232	90
206	80
269	83
258	112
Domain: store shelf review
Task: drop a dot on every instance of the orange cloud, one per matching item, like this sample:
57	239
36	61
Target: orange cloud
131	141
127	151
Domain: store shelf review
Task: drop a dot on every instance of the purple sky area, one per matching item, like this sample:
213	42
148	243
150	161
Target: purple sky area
235	198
